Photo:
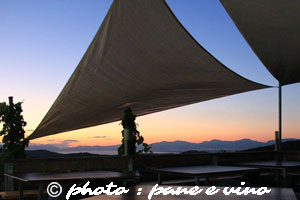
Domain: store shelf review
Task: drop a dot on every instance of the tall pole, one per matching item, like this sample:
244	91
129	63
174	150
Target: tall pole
280	116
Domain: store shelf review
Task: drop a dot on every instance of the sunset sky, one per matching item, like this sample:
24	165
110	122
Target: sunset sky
41	43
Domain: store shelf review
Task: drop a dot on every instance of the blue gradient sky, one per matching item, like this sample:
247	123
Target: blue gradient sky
41	43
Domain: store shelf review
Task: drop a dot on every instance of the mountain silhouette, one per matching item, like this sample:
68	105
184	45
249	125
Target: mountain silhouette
165	146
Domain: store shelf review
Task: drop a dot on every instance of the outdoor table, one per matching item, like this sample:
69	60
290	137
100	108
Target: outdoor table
282	166
43	179
136	193
204	171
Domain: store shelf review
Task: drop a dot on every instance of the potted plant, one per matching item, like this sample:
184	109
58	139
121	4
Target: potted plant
131	137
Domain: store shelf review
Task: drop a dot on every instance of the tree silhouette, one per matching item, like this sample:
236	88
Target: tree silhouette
14	141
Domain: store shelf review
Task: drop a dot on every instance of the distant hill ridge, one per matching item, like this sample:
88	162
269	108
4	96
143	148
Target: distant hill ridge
212	145
175	146
287	145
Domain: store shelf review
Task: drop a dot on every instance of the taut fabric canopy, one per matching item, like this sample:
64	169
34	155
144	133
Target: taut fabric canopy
272	29
143	58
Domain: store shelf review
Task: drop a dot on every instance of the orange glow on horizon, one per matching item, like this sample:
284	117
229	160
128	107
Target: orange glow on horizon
220	119
158	127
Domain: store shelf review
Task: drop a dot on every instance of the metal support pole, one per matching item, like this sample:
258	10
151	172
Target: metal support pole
129	159
20	191
41	192
126	138
280	117
276	141
159	179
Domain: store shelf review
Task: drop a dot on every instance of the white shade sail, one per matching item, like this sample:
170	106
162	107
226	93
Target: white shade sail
140	57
